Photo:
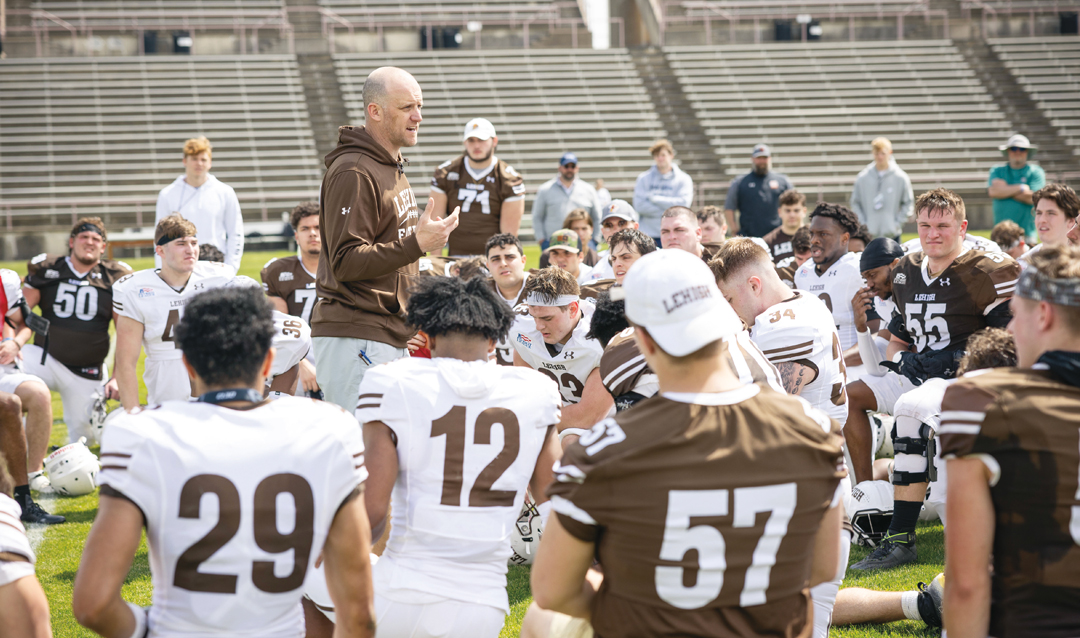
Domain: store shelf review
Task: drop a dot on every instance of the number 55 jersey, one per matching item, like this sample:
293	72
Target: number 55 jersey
703	509
237	505
468	436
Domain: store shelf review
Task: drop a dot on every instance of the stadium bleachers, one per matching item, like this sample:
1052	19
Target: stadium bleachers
820	105
103	134
542	103
787	8
195	13
1048	68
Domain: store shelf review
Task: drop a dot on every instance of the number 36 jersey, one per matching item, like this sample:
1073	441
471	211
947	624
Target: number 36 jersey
703	508
468	436
237	505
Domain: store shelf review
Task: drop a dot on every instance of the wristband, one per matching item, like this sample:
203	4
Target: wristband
572	431
141	625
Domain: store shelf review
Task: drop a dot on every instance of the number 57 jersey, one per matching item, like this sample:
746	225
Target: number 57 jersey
237	505
468	436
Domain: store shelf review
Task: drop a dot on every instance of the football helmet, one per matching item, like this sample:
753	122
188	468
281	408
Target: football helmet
73	469
525	537
882	424
869	506
98	413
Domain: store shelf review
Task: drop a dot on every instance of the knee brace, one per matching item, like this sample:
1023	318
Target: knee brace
913	444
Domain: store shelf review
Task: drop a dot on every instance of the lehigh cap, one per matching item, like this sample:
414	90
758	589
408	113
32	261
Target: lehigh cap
620	208
479	128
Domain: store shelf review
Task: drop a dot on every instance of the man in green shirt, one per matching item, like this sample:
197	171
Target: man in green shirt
1012	184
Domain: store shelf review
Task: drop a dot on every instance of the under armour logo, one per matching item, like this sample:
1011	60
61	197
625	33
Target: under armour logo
945	281
346	211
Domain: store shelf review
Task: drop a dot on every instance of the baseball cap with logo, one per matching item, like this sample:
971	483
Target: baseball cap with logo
761	150
620	208
565	239
673	295
479	128
568	158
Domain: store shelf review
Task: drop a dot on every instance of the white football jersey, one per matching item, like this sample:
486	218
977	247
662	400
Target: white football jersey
571	366
13	541
145	297
234	563
292	342
468	438
12	289
801	330
837	287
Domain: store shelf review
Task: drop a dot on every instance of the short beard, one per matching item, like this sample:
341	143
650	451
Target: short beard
484	158
761	171
83	262
314	253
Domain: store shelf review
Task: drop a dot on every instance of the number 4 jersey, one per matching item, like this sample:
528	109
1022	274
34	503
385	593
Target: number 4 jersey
704	509
468	436
237	505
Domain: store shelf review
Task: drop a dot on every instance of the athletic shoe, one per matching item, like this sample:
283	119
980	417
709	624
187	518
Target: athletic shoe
33	513
930	600
40	483
892	552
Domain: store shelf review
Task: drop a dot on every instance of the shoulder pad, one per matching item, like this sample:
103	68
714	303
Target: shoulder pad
272	260
37	259
446	163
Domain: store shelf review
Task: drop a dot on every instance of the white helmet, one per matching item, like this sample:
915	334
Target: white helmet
98	413
883	425
869	505
73	469
525	537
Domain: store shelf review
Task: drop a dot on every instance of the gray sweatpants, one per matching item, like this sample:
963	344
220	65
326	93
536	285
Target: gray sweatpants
341	368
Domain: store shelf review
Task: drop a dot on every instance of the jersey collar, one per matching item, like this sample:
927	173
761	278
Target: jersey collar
482	174
731	397
927	279
74	271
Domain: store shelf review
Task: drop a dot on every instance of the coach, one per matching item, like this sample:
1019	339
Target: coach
372	238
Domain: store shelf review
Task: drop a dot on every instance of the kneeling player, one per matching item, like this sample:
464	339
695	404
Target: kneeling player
456	441
286	478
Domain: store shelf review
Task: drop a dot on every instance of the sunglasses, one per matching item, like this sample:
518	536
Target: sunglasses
1017	149
571	166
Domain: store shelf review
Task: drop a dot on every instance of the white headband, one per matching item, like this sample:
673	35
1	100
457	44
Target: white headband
537	299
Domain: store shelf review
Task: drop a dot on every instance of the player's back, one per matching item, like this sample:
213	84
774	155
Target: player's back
836	287
233	564
468	437
704	509
1027	422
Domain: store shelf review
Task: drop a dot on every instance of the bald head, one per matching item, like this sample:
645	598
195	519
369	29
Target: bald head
392	103
383	81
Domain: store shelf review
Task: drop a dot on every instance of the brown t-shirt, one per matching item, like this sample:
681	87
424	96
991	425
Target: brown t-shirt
288	279
704	514
480	196
941	313
779	244
1029	423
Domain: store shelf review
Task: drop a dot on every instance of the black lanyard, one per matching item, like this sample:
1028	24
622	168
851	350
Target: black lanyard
238	394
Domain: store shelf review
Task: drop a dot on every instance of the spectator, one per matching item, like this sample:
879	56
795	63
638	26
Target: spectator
489	191
860	239
578	221
372	241
565	250
206	202
560	195
756	196
1012	184
1010	237
662	186
792	217
713	226
882	195
603	194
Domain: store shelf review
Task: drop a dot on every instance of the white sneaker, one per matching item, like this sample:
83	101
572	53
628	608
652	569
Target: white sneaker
40	483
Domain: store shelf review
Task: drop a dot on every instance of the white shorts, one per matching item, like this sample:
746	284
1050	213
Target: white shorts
11	378
77	393
443	619
166	381
11	571
887	389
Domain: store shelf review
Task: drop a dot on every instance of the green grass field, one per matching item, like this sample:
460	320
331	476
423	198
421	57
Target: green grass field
59	547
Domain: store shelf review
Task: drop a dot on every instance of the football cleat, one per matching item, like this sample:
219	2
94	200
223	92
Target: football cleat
33	513
930	600
894	551
40	483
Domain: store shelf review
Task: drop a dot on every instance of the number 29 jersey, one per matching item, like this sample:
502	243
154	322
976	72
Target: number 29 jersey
237	505
468	437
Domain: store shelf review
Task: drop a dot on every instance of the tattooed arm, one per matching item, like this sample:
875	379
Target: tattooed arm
795	376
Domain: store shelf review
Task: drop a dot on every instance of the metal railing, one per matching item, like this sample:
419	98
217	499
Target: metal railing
992	11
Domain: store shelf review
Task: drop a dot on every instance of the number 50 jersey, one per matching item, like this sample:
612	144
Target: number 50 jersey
468	437
237	504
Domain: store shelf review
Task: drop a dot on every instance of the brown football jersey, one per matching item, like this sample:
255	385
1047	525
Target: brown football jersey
704	514
787	275
941	312
480	196
79	310
1029	423
593	289
437	265
779	244
288	279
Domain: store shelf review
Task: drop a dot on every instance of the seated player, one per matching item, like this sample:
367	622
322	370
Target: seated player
792	211
860	239
713	225
550	338
943	295
679	229
149	305
579	221
1010	440
26	610
506	263
800	244
74	292
456	442
287	481
565	251
1056	210
670	507
618	215
627	246
876	263
1010	238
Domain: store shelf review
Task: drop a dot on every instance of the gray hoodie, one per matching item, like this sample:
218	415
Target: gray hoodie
883	202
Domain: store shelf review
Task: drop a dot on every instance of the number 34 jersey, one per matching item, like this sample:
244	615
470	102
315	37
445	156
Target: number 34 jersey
703	508
237	504
468	438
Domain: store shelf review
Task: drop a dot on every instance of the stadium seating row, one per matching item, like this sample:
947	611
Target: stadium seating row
1048	69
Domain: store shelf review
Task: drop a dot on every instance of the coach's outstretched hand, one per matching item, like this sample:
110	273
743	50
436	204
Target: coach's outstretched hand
432	232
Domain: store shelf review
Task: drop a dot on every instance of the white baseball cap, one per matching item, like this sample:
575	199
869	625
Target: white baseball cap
673	295
479	128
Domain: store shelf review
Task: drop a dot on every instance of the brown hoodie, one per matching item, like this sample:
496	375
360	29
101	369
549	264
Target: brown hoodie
367	217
